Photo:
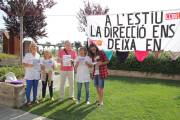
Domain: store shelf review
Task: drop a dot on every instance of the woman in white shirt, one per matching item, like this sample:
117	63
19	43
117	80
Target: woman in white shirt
32	74
83	63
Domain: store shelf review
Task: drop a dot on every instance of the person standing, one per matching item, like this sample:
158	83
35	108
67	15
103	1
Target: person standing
32	76
82	64
100	71
66	70
47	74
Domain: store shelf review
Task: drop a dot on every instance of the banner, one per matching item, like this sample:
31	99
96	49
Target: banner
146	31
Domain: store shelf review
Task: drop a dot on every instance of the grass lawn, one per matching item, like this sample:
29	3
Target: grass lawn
57	69
124	98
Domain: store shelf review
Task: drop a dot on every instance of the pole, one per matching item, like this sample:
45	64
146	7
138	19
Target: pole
21	39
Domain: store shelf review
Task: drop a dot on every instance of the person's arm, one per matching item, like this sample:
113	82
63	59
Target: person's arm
59	59
89	65
105	61
25	61
76	64
28	65
54	66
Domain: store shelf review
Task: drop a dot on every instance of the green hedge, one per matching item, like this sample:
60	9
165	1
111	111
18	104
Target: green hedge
8	56
164	64
17	70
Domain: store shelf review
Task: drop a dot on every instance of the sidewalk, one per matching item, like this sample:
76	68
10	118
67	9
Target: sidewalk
7	113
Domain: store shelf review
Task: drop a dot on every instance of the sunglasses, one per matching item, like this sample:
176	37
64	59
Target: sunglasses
93	49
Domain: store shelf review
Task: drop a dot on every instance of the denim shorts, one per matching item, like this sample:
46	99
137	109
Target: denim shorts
97	82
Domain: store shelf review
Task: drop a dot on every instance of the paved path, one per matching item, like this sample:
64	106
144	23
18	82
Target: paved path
7	113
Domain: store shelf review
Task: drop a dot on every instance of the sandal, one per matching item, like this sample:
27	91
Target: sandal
29	104
60	99
36	102
100	105
43	99
73	98
96	101
52	99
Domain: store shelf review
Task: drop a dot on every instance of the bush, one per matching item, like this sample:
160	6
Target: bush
8	56
164	64
17	70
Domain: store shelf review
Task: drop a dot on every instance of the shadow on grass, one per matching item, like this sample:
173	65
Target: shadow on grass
178	98
76	112
134	80
61	110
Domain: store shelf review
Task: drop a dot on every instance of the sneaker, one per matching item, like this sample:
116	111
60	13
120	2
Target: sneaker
87	102
77	102
52	99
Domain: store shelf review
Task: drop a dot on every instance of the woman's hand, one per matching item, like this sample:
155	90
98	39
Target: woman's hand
30	65
53	67
86	62
99	63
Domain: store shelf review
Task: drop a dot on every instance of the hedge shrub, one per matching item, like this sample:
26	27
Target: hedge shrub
8	56
164	64
17	70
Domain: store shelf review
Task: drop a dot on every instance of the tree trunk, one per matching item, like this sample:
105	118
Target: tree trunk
21	39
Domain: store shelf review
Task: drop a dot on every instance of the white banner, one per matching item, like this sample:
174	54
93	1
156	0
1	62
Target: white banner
146	31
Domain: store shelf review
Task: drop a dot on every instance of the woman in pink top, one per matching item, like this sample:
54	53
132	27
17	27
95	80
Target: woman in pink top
66	69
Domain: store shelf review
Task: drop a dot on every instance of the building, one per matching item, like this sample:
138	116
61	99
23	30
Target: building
11	44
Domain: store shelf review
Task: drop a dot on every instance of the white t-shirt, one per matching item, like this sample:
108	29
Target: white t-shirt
30	74
96	59
55	65
83	74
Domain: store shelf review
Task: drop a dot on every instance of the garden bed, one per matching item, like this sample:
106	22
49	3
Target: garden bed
14	95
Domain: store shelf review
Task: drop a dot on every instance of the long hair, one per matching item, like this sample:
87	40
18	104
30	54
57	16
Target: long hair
31	46
91	54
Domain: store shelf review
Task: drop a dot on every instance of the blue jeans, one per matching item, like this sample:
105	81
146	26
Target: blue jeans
98	82
29	85
79	90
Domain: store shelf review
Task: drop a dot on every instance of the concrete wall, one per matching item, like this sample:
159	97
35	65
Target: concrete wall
141	75
9	62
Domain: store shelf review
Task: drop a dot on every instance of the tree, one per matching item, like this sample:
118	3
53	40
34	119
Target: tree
77	44
59	45
25	19
89	9
48	44
1	35
63	42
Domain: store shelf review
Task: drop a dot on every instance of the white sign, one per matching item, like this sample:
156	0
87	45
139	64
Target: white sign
146	31
82	61
66	60
36	63
48	65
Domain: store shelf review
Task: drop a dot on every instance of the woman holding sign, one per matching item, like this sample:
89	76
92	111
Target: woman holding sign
48	65
100	71
32	63
82	64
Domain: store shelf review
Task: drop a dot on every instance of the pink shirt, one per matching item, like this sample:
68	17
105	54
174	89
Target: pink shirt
73	56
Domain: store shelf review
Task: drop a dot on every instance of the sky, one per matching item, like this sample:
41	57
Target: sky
65	27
